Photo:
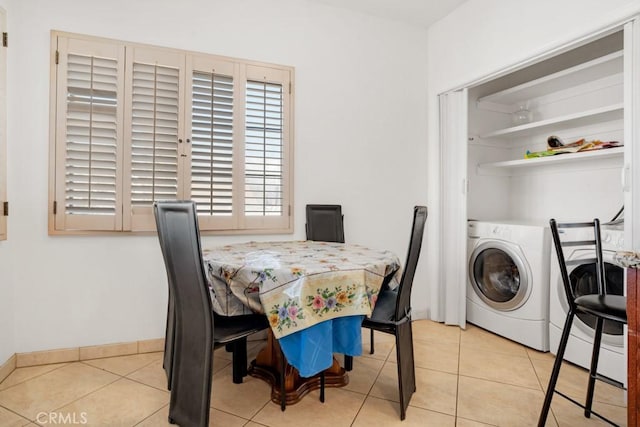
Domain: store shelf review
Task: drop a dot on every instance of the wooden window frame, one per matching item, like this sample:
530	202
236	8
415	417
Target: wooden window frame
129	218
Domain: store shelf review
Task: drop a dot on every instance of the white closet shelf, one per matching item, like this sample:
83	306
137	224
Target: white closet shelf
602	114
583	73
555	160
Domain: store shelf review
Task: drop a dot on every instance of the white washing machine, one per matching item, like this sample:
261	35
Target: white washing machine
612	362
508	286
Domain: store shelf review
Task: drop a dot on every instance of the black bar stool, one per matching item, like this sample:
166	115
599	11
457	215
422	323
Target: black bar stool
604	307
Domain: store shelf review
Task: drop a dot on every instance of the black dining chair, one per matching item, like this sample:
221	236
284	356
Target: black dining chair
610	308
325	223
239	351
196	330
392	313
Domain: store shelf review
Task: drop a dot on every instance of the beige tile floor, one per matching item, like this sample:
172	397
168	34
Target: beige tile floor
467	378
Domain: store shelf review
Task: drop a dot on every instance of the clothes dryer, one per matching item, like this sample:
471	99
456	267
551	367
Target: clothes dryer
508	280
612	362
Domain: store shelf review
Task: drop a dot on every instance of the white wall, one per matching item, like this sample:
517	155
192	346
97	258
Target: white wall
7	329
483	37
359	134
7	341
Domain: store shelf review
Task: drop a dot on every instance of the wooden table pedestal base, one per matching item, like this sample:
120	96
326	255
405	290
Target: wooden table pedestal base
267	366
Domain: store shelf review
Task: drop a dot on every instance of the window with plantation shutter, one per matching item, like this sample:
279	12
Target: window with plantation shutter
3	130
89	136
266	147
135	124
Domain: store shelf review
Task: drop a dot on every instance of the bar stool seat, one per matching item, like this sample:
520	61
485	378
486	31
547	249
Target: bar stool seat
610	307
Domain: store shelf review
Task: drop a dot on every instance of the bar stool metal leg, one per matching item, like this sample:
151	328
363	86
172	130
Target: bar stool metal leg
564	339
593	371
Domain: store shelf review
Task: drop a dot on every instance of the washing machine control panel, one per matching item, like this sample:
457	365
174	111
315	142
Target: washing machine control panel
478	229
612	239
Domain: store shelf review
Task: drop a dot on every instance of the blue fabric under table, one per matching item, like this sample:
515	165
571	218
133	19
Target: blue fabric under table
311	350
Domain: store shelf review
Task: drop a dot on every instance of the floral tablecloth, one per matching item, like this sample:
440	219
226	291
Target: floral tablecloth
297	284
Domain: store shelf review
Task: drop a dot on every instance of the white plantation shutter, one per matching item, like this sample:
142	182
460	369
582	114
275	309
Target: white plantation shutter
266	148
263	149
91	149
88	134
154	131
212	141
240	154
154	134
135	124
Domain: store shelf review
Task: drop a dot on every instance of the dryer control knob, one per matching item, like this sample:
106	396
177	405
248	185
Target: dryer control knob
607	237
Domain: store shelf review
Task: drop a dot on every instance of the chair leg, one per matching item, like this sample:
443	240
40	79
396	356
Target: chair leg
239	357
192	372
371	349
406	366
348	362
167	363
564	339
283	391
322	386
593	371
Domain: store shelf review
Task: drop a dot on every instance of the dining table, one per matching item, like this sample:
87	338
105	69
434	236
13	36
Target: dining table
315	295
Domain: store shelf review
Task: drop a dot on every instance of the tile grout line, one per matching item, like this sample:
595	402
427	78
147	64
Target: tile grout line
81	397
458	384
150	415
367	395
120	377
34	377
248	420
14	412
500	382
542	388
259	410
115	373
145	384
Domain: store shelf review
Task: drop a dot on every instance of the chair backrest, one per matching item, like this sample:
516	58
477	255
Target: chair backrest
403	302
177	226
589	240
325	223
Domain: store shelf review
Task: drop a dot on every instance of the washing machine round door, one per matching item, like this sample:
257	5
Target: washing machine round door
583	280
499	275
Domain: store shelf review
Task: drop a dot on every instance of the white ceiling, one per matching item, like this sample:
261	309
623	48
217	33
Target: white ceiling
417	12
